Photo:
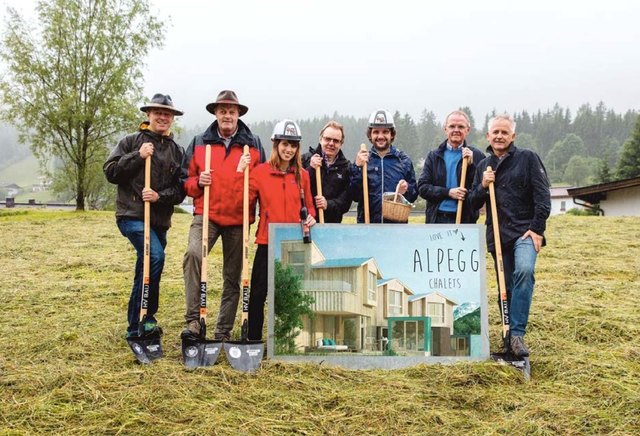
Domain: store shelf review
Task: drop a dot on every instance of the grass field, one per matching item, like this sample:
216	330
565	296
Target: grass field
65	367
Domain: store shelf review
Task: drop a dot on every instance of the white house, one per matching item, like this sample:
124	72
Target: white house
619	198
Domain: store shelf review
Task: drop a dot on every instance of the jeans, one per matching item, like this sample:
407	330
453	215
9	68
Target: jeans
133	230
231	272
519	262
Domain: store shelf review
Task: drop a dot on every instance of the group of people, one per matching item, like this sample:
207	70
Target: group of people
285	183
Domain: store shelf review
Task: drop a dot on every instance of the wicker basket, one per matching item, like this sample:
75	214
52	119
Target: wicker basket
398	210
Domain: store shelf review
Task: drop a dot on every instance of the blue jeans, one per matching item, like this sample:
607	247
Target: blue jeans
519	261
133	230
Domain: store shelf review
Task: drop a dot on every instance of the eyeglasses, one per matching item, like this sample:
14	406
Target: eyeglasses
456	126
330	140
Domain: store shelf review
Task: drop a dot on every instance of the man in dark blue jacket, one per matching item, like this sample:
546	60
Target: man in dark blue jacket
387	168
523	204
439	182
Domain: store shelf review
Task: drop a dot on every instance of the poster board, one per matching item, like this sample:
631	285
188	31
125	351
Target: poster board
383	295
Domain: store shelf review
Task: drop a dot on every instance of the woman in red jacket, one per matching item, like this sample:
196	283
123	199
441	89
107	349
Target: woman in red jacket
282	187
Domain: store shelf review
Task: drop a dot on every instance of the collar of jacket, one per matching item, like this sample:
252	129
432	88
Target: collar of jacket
243	136
512	149
318	150
393	151
144	127
279	172
442	147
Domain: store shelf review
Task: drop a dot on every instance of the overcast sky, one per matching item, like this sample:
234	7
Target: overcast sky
299	59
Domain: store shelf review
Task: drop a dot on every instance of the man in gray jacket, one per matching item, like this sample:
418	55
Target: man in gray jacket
125	167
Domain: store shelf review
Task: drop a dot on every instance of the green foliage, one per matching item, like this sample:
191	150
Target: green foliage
290	305
604	172
629	165
577	171
75	83
582	212
561	153
468	324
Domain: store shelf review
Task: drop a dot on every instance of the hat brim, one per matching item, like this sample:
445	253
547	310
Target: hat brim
242	109
148	107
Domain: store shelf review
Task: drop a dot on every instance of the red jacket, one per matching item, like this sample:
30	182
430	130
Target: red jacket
225	194
279	197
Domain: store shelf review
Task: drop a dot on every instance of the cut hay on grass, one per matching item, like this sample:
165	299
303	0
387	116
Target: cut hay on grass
65	367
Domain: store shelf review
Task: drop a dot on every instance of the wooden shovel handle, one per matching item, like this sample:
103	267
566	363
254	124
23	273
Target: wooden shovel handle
319	191
205	243
463	179
245	223
146	264
365	188
502	283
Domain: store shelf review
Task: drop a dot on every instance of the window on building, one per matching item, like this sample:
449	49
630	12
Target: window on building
563	206
395	303
372	284
436	312
296	261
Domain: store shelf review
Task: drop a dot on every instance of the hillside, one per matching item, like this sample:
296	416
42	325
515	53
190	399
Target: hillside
65	368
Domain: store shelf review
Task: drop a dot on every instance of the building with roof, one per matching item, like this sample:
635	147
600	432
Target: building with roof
619	198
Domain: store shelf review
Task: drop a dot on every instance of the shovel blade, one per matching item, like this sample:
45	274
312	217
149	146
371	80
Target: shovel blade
200	352
244	356
146	348
522	364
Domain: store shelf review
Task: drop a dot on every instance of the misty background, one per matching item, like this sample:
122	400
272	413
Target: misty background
567	71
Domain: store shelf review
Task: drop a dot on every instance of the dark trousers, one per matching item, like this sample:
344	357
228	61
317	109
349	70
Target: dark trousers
258	294
445	217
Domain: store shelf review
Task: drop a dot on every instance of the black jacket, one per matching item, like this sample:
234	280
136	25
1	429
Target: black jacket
335	184
432	184
125	168
522	194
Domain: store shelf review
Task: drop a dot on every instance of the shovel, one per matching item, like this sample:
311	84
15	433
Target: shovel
146	346
245	355
319	191
463	178
365	188
507	357
198	351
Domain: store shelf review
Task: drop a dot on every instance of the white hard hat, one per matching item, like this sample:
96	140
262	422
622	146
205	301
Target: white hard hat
287	129
381	119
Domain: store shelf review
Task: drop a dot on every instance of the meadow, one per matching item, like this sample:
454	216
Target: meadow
66	369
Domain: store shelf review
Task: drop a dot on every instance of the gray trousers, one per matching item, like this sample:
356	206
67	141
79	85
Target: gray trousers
231	271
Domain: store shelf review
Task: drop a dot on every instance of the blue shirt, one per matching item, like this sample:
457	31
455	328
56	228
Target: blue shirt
451	159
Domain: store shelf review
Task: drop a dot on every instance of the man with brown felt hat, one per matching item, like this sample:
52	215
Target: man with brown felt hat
227	136
125	167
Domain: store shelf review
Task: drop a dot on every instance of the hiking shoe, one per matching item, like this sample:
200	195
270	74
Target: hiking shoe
518	348
221	336
192	330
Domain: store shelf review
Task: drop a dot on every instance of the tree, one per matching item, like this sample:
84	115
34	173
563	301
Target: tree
290	305
629	164
577	171
74	84
604	172
562	151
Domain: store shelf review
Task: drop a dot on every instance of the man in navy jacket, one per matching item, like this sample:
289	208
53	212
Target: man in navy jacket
439	182
523	204
387	167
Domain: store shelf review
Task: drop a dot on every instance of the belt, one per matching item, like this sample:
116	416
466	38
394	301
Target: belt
447	214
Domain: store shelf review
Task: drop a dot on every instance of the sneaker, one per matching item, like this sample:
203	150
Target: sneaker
518	347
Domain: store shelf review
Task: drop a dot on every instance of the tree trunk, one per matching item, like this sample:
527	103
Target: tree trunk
80	191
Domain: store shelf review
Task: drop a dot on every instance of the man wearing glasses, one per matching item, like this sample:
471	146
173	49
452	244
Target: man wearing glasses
334	170
439	182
